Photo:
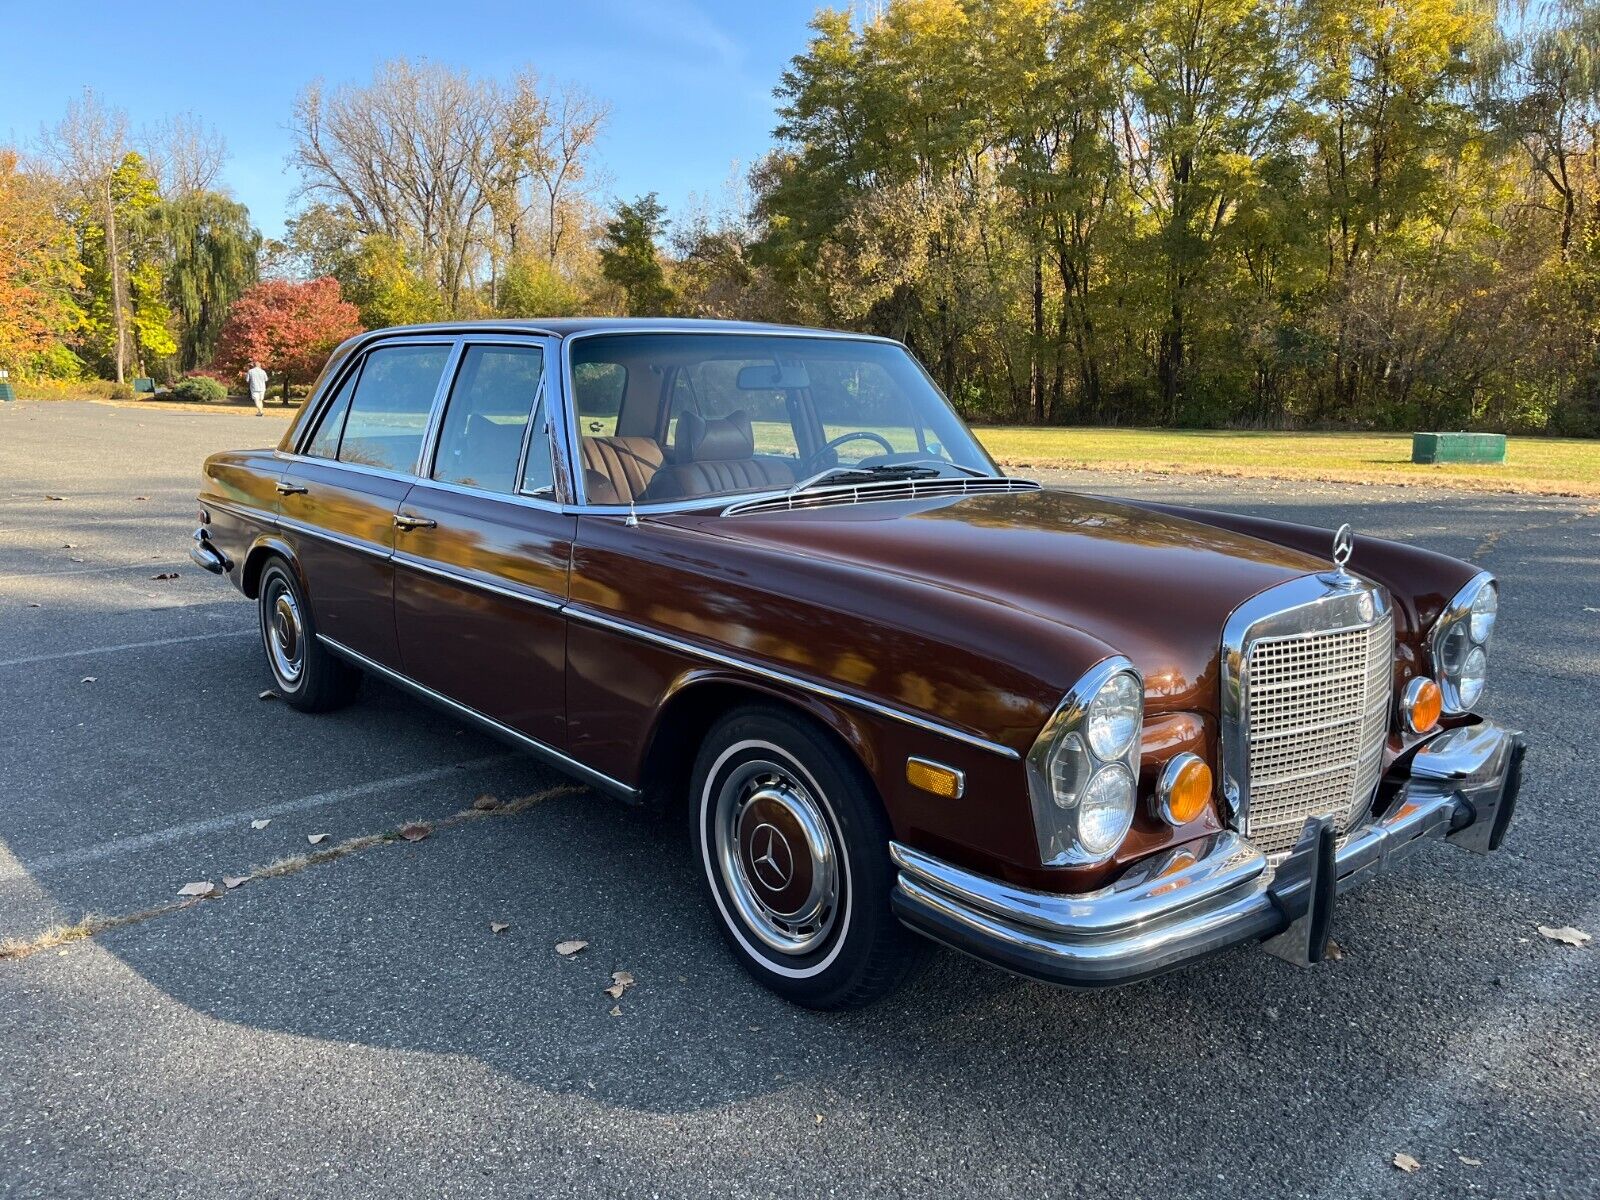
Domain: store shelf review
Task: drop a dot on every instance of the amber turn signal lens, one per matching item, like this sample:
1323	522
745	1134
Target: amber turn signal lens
1423	704
935	777
1184	789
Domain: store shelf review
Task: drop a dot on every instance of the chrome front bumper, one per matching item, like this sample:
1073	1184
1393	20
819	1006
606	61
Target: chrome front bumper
1190	901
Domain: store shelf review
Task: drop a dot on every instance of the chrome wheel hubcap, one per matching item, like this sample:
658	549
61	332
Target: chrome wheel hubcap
284	634
776	855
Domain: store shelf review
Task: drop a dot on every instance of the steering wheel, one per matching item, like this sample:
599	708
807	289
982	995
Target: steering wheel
853	435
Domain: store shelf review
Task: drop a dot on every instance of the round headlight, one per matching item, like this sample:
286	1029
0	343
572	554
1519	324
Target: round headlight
1068	765
1485	607
1453	649
1469	683
1114	717
1106	810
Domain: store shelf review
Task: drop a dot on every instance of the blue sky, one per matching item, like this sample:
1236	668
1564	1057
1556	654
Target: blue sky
689	81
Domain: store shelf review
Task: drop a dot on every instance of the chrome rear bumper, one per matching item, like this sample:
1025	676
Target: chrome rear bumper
1190	901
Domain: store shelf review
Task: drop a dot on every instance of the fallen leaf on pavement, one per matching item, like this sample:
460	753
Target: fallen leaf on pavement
1335	951
269	694
232	881
616	1010
90	679
819	1118
1468	1161
165	575
568	948
485	803
316	838
1406	1163
498	926
203	888
1566	935
415	831
261	824
621	981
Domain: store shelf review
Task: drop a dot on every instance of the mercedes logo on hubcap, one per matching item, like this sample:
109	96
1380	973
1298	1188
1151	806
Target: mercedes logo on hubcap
771	860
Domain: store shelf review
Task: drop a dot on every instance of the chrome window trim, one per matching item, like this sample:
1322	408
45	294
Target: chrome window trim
429	459
1459	607
354	361
590	616
441	392
1308	604
547	752
581	500
358	468
428	567
521	499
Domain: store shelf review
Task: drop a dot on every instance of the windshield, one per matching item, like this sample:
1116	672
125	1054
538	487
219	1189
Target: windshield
668	416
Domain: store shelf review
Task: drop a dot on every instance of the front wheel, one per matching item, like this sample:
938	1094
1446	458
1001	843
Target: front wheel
795	848
306	673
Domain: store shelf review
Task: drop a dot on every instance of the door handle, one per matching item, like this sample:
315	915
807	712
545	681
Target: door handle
407	521
290	489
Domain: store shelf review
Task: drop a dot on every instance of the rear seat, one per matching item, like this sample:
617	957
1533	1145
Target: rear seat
617	470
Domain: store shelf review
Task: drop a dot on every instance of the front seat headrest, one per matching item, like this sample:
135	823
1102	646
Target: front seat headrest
721	439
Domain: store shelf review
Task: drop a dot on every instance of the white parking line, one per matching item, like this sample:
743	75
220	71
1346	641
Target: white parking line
172	641
239	821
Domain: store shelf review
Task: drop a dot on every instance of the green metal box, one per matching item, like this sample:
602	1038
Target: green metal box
1458	447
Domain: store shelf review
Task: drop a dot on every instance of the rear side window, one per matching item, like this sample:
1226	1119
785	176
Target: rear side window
597	390
326	442
388	414
490	405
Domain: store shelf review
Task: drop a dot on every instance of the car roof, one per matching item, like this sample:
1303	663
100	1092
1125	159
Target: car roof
568	326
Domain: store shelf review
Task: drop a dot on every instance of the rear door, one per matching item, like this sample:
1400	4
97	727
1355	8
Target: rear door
341	492
483	547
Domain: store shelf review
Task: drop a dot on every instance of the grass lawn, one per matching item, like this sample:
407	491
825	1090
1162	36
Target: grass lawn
1541	466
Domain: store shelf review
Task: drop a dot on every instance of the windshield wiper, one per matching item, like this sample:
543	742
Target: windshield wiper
941	462
883	471
917	468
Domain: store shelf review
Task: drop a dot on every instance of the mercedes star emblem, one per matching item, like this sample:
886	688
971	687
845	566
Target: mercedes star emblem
771	858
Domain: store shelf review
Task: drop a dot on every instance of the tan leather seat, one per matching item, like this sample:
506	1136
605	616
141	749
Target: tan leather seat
715	456
619	469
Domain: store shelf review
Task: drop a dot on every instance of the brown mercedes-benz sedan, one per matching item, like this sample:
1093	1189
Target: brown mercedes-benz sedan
768	575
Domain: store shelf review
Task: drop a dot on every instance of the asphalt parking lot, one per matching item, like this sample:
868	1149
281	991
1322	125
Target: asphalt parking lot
355	1028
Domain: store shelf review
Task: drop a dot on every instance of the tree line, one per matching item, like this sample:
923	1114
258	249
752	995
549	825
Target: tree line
1262	213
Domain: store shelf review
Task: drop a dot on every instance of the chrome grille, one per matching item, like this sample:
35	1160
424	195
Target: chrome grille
1315	708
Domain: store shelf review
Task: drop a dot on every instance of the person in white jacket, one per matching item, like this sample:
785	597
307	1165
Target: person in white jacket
256	378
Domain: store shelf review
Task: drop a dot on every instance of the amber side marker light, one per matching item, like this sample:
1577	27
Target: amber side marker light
935	777
1422	704
1183	790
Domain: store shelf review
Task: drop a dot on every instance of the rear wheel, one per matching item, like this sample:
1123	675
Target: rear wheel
794	845
306	673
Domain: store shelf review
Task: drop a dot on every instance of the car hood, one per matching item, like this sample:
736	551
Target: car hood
1153	586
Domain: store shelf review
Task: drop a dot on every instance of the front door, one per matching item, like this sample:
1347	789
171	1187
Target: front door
340	494
482	548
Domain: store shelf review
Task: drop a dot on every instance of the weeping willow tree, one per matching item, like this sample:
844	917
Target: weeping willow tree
213	250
